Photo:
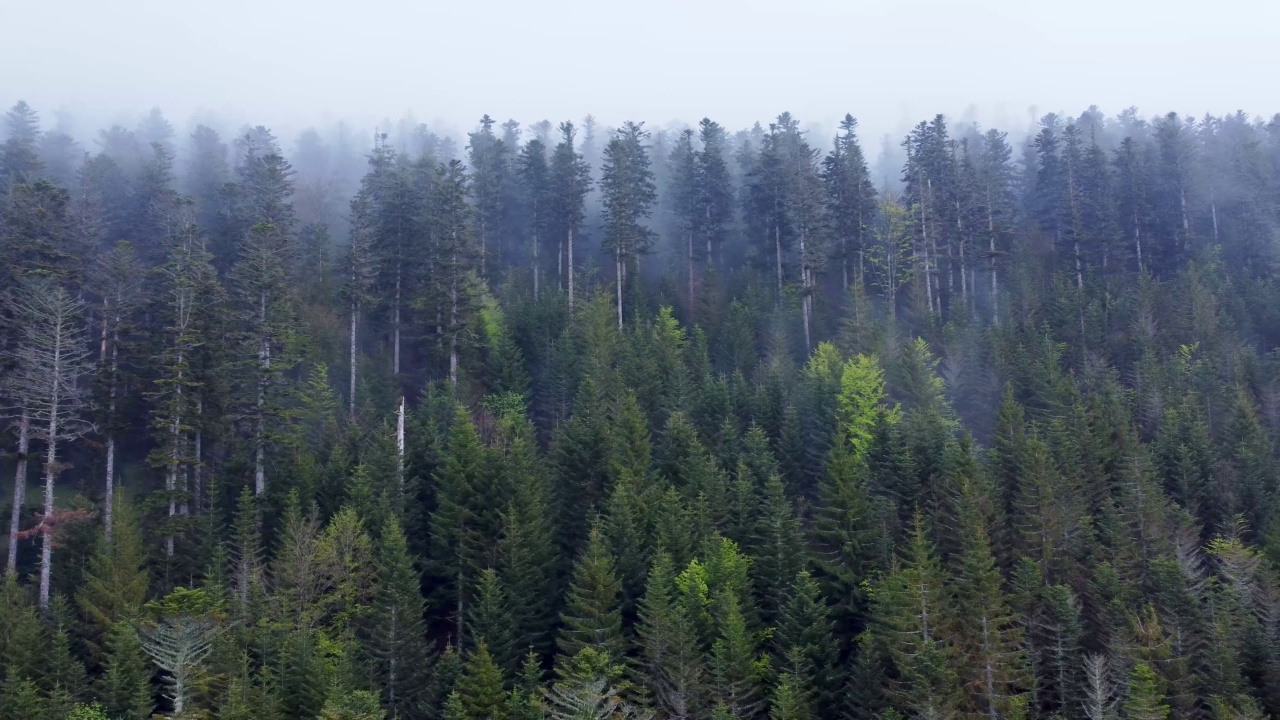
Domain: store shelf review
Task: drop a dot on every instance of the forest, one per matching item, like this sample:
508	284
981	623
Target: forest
582	422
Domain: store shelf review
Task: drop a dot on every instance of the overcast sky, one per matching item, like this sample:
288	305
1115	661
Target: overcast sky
290	64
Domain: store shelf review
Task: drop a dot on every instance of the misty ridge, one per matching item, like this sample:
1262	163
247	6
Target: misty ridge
573	420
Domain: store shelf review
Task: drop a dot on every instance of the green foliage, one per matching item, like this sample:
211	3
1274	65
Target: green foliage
592	616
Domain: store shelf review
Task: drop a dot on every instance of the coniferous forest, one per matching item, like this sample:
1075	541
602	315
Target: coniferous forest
576	422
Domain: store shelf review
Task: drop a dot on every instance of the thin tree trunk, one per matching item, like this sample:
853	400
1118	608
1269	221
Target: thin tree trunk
995	277
400	448
690	243
171	476
50	474
453	330
395	327
537	266
1213	212
108	502
710	261
351	358
807	299
197	470
259	430
777	252
569	266
617	266
1137	240
19	489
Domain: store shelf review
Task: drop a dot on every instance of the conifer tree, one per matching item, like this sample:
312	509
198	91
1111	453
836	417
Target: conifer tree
19	159
806	645
714	206
592	616
852	199
50	359
465	524
118	281
115	586
490	622
125	684
628	190
570	183
480	688
671	664
399	639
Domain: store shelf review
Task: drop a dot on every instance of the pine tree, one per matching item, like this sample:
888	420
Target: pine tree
465	524
777	547
490	622
125	685
118	281
535	174
852	200
629	193
50	359
1145	700
592	616
527	559
807	647
910	612
791	697
454	262
399	640
115	586
671	663
570	183
714	205
987	636
480	688
737	670
844	539
19	159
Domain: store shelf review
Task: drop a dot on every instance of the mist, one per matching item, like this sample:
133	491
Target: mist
293	65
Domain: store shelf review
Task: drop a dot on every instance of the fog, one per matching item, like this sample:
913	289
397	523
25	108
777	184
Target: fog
290	65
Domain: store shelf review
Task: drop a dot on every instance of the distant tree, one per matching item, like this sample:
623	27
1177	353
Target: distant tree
629	193
51	360
19	158
570	183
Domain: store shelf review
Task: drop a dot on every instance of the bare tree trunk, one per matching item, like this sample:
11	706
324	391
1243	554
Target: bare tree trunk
50	474
690	243
806	299
844	265
1137	240
400	448
617	266
175	440
259	430
351	358
1213	211
19	489
569	266
197	470
395	328
108	502
710	261
453	330
537	264
777	252
995	277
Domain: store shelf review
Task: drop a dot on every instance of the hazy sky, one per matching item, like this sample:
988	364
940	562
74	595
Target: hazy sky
289	64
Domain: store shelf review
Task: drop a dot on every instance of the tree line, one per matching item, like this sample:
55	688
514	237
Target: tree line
578	422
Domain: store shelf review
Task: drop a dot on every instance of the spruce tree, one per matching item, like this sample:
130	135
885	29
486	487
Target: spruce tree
592	615
628	190
399	640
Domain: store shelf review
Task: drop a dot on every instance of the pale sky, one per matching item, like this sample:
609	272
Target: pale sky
292	63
